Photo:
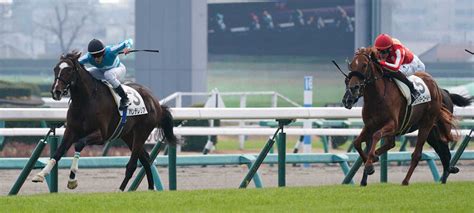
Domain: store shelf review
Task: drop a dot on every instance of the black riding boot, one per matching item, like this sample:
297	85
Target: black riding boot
124	101
400	76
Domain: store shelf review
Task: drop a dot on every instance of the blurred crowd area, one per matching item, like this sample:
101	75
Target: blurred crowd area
283	28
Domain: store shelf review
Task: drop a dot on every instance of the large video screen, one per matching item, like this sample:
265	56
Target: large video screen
290	27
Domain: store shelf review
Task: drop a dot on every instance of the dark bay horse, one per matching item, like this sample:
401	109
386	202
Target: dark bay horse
384	109
92	118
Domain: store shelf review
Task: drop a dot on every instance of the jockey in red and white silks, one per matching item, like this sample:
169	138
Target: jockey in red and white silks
395	57
399	58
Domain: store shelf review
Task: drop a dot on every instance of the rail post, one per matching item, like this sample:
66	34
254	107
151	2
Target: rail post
281	159
30	164
383	165
172	167
253	169
53	176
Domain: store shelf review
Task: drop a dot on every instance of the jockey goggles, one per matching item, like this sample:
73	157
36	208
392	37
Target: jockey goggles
98	55
386	51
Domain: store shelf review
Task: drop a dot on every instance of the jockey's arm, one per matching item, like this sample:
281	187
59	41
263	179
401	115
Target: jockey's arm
119	47
398	61
84	59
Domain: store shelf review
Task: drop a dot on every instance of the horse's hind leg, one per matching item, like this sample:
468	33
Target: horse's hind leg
138	152
145	160
442	149
131	167
416	156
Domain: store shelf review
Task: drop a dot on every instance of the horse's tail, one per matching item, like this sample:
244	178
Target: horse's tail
167	125
446	123
459	100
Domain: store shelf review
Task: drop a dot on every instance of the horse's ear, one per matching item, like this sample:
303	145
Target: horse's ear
61	57
77	54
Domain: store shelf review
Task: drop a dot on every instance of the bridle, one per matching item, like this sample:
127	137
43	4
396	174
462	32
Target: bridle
366	79
73	79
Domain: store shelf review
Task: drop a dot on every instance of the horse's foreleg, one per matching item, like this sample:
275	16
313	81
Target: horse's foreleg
63	147
79	146
386	131
358	144
389	142
416	155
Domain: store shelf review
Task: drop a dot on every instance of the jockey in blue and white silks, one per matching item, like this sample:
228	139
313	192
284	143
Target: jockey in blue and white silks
106	65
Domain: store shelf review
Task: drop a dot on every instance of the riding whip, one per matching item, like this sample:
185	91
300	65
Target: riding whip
131	51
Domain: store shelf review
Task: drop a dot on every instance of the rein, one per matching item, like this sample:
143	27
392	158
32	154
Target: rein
367	79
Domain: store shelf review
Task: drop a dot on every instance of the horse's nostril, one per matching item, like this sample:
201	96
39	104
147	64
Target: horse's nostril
56	94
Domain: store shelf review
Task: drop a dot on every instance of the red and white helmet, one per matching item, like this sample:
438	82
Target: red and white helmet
383	41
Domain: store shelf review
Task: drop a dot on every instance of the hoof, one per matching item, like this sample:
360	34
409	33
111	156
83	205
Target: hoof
369	170
375	159
38	178
363	184
72	184
405	183
453	170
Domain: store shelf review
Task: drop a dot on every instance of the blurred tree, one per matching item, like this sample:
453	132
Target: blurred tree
66	22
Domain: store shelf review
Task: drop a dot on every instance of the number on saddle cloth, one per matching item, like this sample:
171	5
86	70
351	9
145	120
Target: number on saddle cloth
137	105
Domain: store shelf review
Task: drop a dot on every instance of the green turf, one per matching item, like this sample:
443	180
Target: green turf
418	197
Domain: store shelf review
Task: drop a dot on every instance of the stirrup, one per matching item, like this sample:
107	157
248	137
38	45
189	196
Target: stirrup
124	104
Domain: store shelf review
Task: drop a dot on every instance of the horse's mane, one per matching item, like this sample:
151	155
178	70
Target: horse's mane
74	55
366	50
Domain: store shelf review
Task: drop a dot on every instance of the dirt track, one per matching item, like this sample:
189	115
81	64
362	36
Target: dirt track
211	177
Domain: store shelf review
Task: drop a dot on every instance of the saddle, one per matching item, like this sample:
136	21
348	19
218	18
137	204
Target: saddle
137	105
424	97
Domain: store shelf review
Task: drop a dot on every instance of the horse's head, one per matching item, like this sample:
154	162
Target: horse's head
65	74
361	73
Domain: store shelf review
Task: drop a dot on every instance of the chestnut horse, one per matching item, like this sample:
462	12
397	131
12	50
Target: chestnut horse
92	118
384	110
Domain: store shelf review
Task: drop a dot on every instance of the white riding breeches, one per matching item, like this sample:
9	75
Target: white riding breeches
411	68
114	76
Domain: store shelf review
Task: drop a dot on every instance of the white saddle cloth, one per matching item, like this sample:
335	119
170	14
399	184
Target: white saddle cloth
419	85
137	105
